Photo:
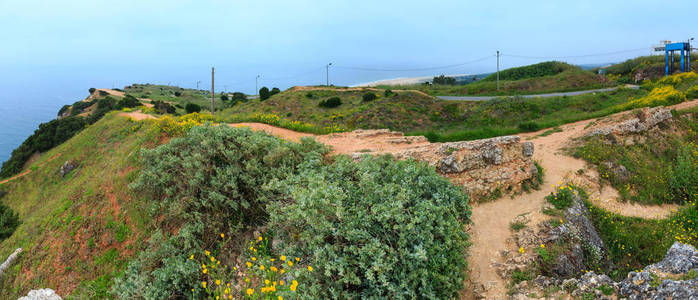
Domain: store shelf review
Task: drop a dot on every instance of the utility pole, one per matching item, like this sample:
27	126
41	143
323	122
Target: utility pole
327	72
256	85
213	93
497	70
197	85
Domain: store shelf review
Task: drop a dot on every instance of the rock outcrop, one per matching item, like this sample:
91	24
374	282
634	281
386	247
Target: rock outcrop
480	166
629	132
67	167
668	279
42	294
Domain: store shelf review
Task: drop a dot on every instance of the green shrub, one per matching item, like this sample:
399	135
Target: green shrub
163	107
369	97
274	91
563	197
48	135
192	108
388	93
92	90
529	126
264	93
443	80
692	92
128	102
330	103
683	175
63	109
103	93
224	97
9	220
208	182
239	97
309	95
378	228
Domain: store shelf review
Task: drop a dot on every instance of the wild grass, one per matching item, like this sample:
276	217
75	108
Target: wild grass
660	170
566	81
81	228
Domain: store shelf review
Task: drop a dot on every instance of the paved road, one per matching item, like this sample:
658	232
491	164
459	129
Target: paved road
485	98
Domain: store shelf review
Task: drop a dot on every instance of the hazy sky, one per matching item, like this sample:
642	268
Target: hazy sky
166	41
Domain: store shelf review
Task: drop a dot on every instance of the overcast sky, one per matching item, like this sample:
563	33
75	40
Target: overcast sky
168	40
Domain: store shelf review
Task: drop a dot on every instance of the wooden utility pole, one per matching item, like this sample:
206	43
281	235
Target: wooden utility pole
213	93
497	70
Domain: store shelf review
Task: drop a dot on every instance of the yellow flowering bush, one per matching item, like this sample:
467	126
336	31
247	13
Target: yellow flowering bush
263	276
275	120
678	78
179	126
663	95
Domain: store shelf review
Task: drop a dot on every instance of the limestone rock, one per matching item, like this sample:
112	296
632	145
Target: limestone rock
679	259
67	167
42	294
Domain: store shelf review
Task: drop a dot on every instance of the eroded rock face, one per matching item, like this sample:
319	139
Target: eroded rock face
679	259
628	132
479	166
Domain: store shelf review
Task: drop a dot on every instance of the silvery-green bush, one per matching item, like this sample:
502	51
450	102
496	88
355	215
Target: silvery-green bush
208	182
376	229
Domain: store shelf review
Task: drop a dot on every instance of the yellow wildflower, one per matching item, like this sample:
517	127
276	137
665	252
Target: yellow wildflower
310	268
283	257
250	292
222	235
249	264
218	282
203	283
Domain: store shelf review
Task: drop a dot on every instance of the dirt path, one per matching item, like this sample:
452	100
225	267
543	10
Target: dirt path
490	230
28	170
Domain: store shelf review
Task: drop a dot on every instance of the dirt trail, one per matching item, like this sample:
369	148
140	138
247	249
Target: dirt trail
28	170
490	230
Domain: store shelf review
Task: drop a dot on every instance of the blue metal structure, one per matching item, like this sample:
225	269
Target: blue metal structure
685	59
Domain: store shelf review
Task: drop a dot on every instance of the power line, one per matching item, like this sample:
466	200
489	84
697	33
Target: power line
575	56
416	69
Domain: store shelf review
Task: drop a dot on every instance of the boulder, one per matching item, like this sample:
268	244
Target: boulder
67	167
679	259
42	294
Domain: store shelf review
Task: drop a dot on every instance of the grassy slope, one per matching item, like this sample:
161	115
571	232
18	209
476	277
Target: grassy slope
439	120
569	80
167	93
402	111
78	231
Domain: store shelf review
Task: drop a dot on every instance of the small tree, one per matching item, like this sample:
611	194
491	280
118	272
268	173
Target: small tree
264	93
178	94
239	97
444	80
9	220
192	108
275	91
92	90
369	97
224	97
388	93
330	103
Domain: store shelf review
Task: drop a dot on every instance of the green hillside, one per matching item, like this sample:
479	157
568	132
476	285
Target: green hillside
527	80
125	223
548	68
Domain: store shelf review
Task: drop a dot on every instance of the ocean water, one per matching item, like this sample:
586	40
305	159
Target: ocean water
31	95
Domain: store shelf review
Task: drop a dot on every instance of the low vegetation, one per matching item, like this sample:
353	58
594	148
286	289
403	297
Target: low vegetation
247	181
547	77
548	68
664	169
